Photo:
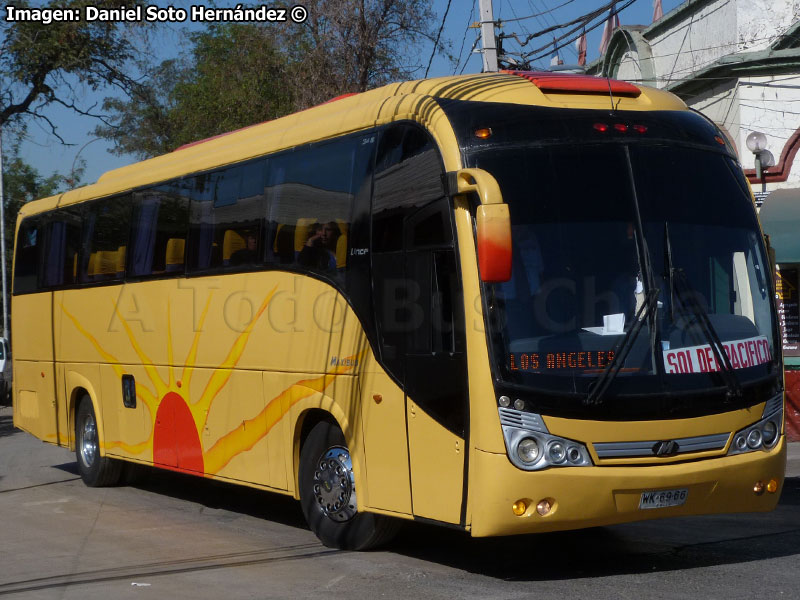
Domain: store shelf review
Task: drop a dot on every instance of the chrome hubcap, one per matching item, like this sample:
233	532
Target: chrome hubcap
334	486
88	441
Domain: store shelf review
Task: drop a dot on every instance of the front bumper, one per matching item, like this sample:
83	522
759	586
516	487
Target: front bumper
593	496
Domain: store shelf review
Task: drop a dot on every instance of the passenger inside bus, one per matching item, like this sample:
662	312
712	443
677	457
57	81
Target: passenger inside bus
319	250
248	254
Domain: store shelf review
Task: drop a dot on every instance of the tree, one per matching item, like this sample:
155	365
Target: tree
44	64
355	45
21	184
235	76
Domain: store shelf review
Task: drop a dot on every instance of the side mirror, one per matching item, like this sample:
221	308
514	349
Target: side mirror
494	242
493	223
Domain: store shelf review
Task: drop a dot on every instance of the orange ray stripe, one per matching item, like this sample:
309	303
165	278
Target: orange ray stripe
248	434
129	448
169	347
147	363
222	374
108	357
147	397
188	364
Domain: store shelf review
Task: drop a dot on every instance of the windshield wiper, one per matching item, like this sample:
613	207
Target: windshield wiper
686	296
622	349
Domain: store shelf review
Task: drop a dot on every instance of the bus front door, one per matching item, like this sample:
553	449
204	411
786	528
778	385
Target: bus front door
419	311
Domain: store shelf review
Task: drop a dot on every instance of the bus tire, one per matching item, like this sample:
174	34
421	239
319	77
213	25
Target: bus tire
95	470
328	495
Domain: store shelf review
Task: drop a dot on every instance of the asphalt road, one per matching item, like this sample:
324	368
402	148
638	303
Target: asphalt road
182	537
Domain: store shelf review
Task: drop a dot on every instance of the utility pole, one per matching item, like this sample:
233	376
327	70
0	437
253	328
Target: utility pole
487	35
3	241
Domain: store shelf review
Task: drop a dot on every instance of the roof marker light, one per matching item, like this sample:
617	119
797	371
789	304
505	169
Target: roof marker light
621	127
640	128
483	133
601	127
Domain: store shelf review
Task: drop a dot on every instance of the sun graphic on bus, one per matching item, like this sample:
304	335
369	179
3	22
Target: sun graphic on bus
176	420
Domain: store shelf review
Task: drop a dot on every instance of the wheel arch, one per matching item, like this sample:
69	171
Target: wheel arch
79	386
303	425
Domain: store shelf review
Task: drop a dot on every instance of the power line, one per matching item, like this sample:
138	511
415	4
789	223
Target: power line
535	15
582	23
438	36
475	45
768	109
550	18
466	31
582	20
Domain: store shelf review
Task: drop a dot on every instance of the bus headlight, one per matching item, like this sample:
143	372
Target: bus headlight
754	438
557	452
770	432
763	435
528	450
531	447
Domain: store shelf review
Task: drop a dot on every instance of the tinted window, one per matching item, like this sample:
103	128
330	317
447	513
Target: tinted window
160	225
418	300
311	192
408	175
226	217
105	239
26	262
62	246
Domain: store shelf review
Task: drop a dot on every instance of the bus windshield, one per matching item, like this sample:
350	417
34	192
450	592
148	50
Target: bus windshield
597	228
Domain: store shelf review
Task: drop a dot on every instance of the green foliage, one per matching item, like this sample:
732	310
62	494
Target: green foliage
21	184
41	64
234	77
356	45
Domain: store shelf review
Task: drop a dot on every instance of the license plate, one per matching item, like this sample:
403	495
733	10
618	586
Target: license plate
663	498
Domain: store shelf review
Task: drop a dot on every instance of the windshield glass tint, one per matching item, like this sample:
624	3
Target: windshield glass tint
579	273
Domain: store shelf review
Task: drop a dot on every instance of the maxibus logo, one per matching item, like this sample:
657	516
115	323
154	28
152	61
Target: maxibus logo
349	361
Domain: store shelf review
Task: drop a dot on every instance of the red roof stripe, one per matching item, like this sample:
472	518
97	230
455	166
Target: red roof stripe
564	83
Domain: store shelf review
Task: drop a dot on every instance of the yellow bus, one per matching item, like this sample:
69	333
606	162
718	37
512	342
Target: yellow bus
508	303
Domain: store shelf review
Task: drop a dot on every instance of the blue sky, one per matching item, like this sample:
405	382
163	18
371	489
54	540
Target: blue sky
47	154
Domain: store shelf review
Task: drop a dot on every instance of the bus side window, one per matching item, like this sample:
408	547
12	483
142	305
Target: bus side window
226	218
160	225
26	266
105	240
311	195
61	248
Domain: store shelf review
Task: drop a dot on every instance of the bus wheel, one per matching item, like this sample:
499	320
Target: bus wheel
95	470
328	494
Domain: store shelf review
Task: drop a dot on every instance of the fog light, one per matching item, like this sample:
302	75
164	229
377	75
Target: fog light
528	450
557	452
544	507
519	404
519	507
504	401
758	488
770	432
772	486
754	439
